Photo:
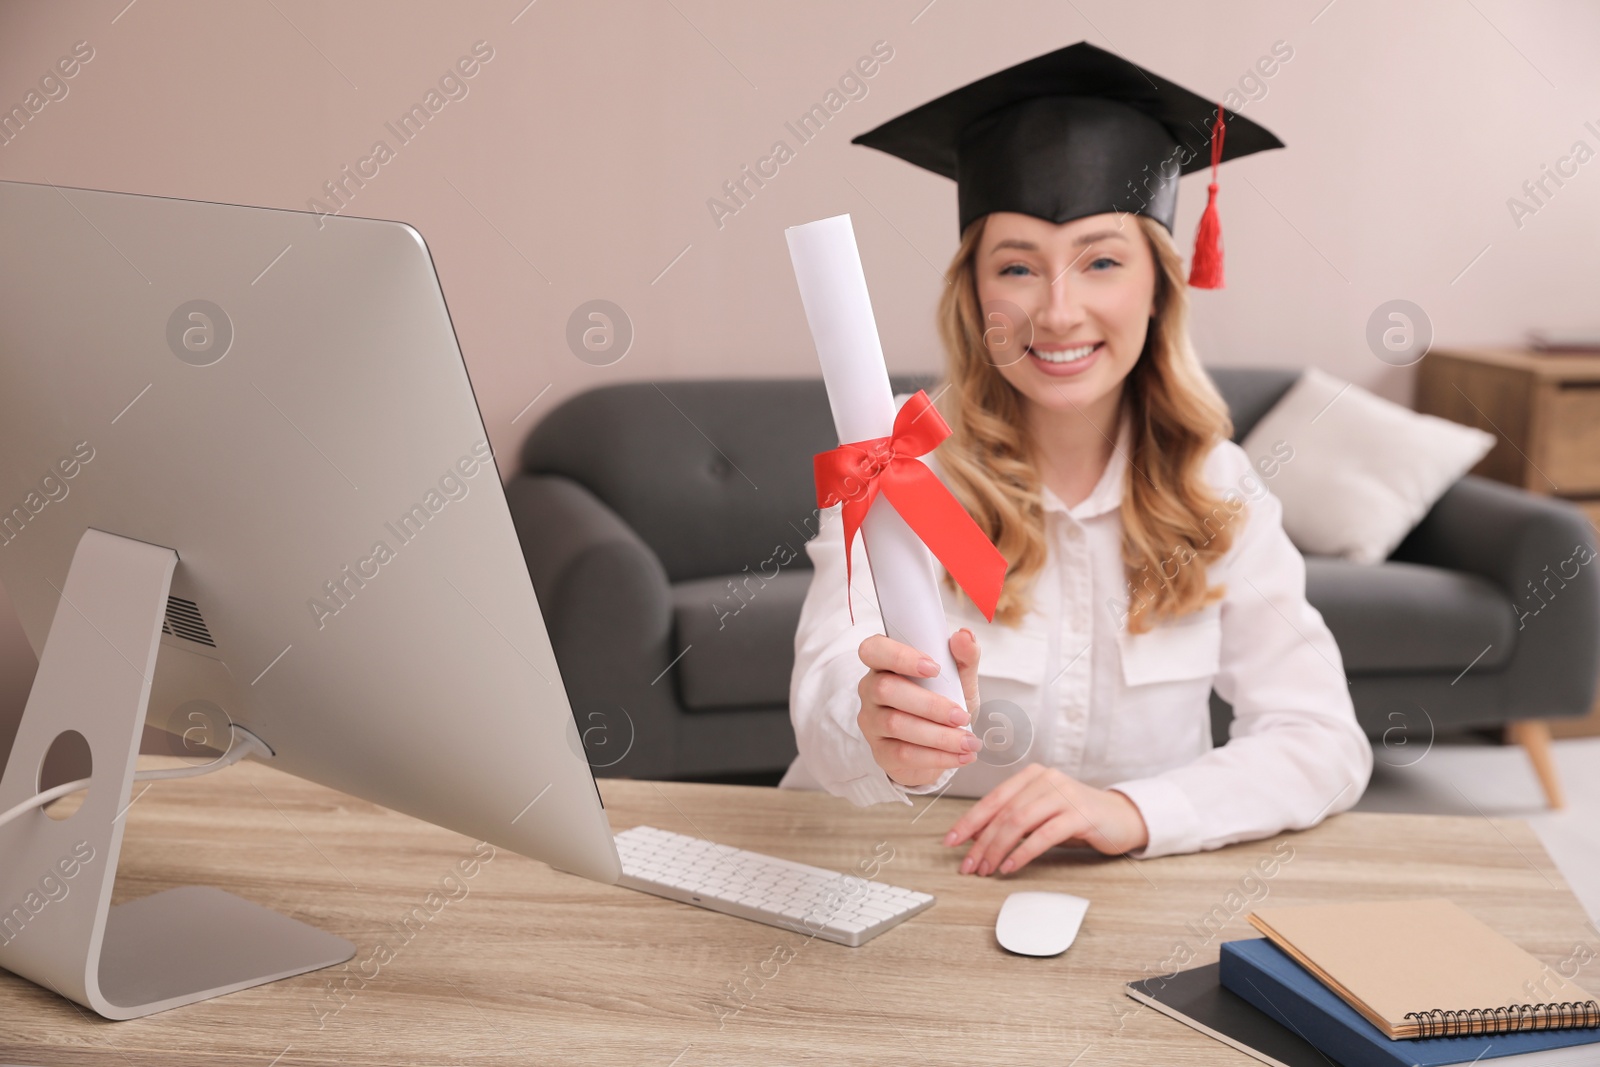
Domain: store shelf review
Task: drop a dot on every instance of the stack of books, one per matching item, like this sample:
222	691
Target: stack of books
1410	983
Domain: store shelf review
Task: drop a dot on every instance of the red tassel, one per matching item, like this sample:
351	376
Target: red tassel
1205	268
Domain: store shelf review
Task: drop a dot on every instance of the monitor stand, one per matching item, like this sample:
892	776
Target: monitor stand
57	925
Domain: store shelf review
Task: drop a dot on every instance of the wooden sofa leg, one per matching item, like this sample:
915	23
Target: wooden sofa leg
1534	736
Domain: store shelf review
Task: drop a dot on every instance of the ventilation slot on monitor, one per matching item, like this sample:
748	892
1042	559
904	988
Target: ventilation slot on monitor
183	620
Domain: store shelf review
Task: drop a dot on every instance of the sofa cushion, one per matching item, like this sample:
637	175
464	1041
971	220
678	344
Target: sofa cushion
1405	617
712	475
1365	470
735	634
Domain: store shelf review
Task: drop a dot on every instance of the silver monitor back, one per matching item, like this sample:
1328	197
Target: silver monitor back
279	398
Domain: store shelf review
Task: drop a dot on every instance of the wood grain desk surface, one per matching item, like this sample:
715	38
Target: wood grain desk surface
528	965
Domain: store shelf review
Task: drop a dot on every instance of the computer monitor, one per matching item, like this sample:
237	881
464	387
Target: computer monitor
240	443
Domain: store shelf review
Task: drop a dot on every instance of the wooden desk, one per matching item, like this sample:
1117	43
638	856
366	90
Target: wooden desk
532	966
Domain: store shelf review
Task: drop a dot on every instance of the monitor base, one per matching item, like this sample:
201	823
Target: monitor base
197	942
57	926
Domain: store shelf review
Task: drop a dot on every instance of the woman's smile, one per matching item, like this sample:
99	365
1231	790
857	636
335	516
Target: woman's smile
1064	360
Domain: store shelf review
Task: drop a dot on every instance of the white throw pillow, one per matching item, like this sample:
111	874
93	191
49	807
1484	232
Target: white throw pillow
1364	471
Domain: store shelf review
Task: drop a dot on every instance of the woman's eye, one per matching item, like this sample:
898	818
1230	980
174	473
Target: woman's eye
1014	269
1095	264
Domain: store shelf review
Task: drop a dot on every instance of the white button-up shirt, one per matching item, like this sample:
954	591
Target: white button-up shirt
1109	708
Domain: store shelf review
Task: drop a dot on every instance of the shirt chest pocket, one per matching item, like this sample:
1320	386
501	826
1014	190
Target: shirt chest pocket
1009	658
1162	718
1186	649
1010	655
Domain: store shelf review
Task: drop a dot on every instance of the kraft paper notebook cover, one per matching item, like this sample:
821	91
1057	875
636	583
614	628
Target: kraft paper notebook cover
1426	968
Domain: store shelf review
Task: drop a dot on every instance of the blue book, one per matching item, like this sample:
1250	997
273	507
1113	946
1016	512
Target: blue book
1263	974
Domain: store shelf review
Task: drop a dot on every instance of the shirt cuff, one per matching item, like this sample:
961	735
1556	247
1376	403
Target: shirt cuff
1170	818
879	788
923	790
875	788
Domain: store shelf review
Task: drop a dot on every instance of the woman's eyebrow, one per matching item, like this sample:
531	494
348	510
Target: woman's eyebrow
1086	239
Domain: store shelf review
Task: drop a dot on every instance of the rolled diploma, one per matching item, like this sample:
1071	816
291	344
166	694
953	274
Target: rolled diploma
833	289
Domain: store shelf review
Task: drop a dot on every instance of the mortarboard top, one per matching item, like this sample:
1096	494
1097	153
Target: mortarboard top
1075	132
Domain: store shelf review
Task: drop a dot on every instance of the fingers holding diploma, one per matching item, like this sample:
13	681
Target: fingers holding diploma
915	733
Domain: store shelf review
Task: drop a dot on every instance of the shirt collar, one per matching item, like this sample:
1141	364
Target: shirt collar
1107	493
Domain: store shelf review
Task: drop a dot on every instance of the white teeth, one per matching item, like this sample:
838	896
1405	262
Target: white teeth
1066	355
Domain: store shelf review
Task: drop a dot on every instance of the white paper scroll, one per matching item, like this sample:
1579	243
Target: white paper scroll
833	289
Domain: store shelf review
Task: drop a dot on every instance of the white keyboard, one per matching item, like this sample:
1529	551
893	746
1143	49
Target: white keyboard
794	896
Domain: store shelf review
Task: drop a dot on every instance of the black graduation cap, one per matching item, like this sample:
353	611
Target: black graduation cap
1075	132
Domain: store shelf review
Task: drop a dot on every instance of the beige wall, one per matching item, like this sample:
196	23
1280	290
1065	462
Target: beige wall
579	163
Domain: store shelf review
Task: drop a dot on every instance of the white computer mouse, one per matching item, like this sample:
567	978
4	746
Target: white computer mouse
1039	924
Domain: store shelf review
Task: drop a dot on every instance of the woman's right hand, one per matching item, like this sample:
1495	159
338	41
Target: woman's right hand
914	732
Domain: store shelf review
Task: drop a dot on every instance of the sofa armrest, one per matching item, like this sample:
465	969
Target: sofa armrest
607	606
1540	552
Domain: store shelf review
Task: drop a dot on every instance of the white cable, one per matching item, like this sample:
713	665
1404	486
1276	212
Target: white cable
44	798
241	743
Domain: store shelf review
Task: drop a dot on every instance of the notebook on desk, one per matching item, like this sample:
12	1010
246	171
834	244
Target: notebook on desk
1197	998
1267	1006
1426	968
1285	993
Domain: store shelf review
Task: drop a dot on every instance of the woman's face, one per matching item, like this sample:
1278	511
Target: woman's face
1066	306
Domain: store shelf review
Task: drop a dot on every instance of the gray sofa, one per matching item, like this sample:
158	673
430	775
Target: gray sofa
664	526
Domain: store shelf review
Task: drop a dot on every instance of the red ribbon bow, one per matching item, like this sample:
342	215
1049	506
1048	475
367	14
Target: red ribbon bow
855	473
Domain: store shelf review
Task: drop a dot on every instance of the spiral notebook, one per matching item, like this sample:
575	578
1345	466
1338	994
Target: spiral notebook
1426	968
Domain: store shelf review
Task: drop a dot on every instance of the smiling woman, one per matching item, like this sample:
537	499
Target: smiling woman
1101	316
1090	445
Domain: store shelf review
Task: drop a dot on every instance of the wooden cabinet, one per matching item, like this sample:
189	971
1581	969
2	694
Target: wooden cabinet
1544	410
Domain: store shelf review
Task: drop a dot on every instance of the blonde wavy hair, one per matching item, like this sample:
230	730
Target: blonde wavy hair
1173	523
